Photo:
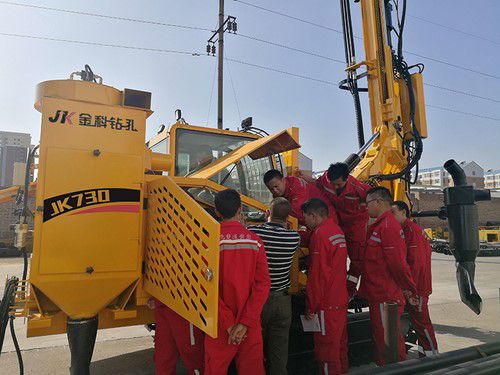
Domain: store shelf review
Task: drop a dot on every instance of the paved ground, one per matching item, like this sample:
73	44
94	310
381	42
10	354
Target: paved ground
128	350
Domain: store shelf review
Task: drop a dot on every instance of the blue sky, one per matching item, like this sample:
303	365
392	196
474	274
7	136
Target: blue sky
324	113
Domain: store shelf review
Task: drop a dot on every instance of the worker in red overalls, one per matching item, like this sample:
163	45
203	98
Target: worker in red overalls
348	196
297	191
326	291
174	337
244	285
386	276
419	259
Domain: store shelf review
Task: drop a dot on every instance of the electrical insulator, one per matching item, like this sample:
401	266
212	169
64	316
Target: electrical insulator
208	48
229	26
235	26
213	49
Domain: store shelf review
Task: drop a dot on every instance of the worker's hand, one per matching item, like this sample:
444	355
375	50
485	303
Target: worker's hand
238	334
411	298
414	301
407	294
151	303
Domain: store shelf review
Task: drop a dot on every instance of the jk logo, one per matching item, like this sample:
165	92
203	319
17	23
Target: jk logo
64	117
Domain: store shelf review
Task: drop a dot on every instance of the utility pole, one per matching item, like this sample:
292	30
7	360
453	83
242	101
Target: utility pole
220	78
218	36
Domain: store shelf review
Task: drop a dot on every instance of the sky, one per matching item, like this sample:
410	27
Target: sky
324	114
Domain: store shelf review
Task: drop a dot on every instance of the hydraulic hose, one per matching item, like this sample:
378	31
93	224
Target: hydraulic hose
16	345
359	117
350	58
7	301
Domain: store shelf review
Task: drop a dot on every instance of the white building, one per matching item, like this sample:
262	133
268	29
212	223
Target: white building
492	179
437	176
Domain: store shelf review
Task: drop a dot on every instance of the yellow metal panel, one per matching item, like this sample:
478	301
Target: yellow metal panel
182	254
291	158
74	90
420	117
266	146
87	238
80	230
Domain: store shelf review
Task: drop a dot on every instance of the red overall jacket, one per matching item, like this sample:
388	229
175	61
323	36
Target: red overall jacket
350	206
418	257
385	270
244	281
298	191
326	274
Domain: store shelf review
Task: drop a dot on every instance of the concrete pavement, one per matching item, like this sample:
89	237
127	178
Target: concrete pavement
128	350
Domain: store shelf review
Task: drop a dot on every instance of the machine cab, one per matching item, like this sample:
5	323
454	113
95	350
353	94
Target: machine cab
207	160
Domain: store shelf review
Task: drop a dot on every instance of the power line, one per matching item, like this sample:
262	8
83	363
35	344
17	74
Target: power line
453	29
102	44
100	15
462	112
234	91
360	38
282	72
246	36
462	92
211	92
290	48
453	65
343	62
241	62
290	16
333	84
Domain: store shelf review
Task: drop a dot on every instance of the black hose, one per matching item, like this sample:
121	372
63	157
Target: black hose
16	345
5	303
25	264
359	117
350	59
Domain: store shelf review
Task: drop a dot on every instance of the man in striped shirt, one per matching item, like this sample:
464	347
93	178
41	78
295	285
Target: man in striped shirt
280	245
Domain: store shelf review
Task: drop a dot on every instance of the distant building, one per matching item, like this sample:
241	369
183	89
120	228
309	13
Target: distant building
492	179
438	176
13	149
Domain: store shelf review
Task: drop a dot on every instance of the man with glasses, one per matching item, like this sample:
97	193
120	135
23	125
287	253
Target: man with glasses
386	276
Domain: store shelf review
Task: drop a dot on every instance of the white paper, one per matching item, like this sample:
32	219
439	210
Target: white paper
310	325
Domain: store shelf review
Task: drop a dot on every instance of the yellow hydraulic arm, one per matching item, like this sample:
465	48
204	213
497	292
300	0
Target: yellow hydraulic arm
395	96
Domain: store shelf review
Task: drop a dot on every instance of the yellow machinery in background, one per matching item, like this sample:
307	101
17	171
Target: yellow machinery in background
111	231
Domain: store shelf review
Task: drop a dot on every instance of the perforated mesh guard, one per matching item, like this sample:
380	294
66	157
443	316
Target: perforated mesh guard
182	254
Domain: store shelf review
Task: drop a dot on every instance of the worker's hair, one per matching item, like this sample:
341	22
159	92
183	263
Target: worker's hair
338	170
273	173
402	206
380	192
280	208
227	203
315	205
